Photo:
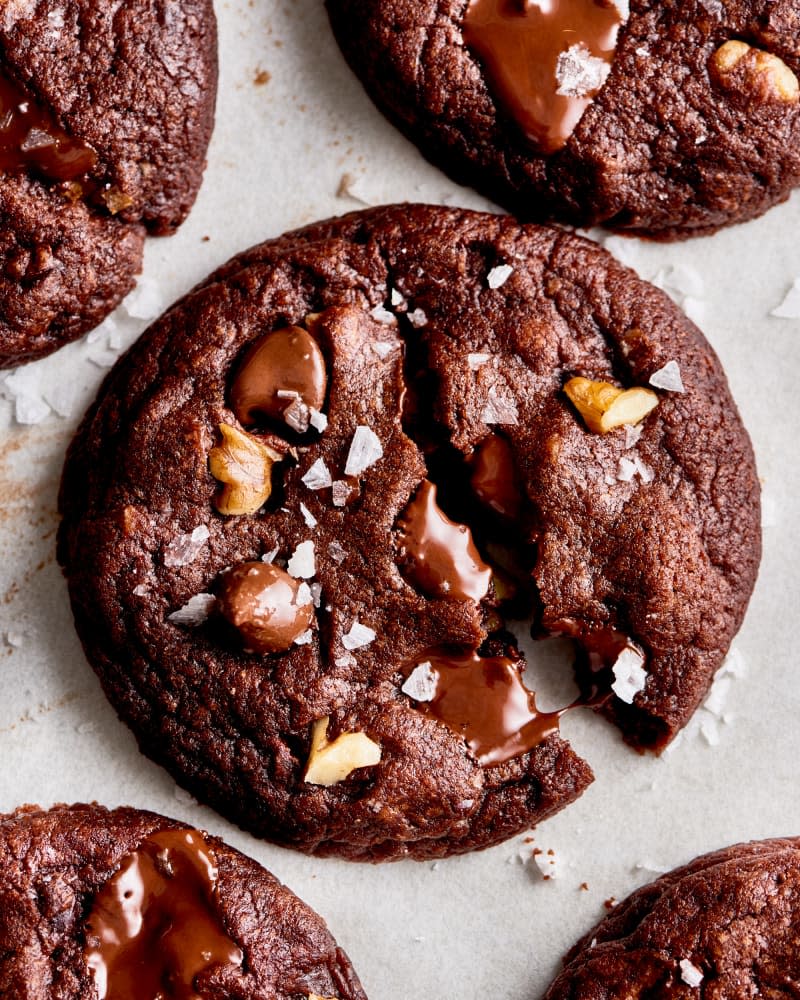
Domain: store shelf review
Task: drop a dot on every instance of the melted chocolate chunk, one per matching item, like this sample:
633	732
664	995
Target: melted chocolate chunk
545	59
283	370
154	925
265	605
30	139
484	700
438	555
494	478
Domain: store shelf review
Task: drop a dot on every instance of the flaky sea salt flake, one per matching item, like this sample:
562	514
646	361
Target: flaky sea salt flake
297	415
383	348
308	517
397	298
734	664
632	434
365	450
690	974
499	275
477	360
195	611
340	491
790	307
318	476
317	420
417	318
383	315
269	557
630	676
626	470
668	378
499	410
186	548
336	552
304	638
302	565
421	683
358	636
146	301
579	73
646	474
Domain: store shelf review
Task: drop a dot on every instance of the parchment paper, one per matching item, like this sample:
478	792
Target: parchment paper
292	123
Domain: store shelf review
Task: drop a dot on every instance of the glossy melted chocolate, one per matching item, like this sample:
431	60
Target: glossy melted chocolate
30	139
438	555
484	700
522	46
155	924
494	479
280	367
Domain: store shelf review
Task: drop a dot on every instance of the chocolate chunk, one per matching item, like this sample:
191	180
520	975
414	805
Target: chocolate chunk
266	606
545	61
155	926
285	367
438	555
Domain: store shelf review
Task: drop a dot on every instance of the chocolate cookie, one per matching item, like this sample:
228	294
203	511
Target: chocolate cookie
725	925
668	119
124	903
304	505
107	115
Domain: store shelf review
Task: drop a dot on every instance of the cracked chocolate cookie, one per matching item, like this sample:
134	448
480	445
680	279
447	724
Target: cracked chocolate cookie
106	115
124	903
304	506
662	119
725	925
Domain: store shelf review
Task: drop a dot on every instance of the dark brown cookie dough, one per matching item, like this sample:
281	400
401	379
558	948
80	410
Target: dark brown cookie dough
448	338
234	930
696	126
725	925
118	106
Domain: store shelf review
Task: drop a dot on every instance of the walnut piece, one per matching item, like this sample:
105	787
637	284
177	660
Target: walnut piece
329	763
244	465
604	406
116	200
761	74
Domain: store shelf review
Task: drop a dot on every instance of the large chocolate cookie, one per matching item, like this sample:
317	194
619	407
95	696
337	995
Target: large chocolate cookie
726	925
107	114
124	903
671	120
303	506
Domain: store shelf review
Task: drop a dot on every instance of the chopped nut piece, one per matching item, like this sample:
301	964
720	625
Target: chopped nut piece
116	200
244	465
330	763
604	406
761	74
